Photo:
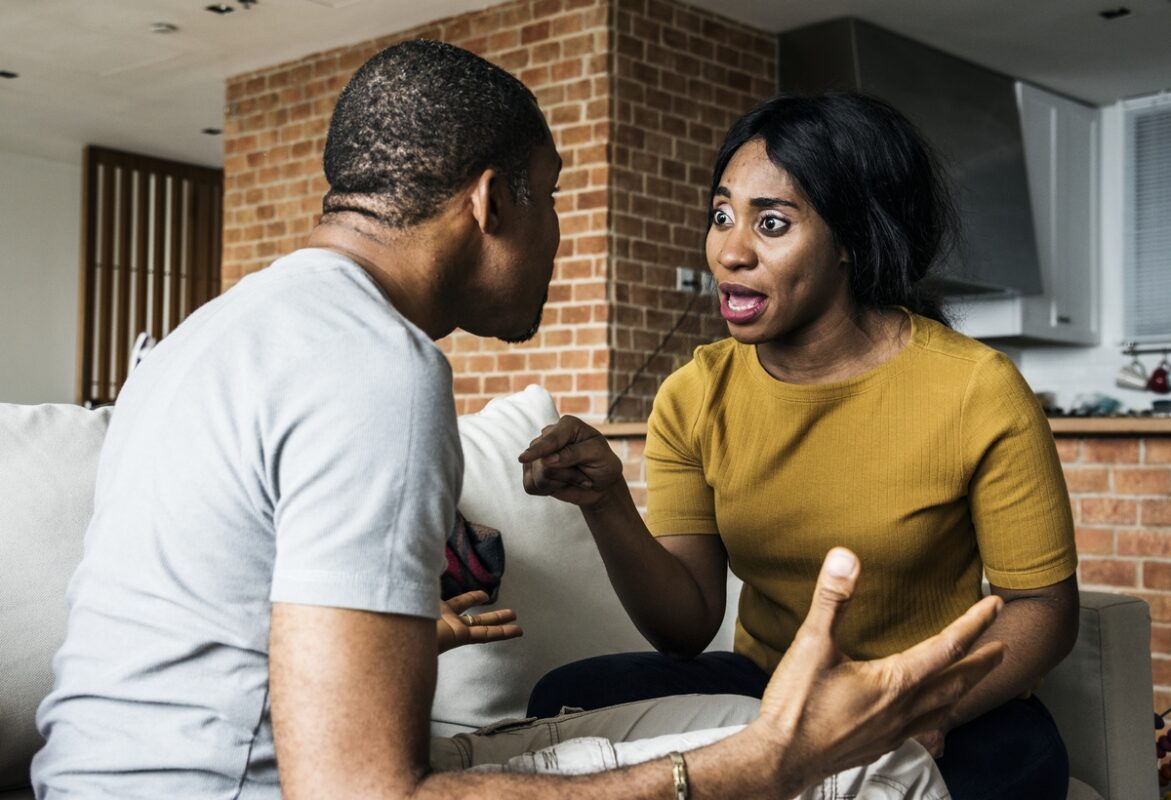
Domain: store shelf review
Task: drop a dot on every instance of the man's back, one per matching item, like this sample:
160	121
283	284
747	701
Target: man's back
300	403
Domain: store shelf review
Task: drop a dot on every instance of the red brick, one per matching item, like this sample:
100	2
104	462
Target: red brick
1161	642
1096	510
1087	480
1161	670
1162	699
1110	451
1149	543
1151	480
1095	541
1068	449
467	385
1156	512
1157	574
1157	451
1108	572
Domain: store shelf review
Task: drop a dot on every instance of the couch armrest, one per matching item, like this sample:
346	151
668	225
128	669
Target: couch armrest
1100	696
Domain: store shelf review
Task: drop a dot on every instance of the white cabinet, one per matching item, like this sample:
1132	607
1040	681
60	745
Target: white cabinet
1061	157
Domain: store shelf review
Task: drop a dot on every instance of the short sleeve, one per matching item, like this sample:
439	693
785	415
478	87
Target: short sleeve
679	498
365	470
1019	503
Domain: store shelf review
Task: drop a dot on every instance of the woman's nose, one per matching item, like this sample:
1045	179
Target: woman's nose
735	250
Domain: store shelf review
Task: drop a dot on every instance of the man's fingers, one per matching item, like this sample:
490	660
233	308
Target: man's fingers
951	684
482	634
462	602
489	618
952	643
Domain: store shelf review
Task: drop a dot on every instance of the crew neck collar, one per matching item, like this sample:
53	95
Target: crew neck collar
817	392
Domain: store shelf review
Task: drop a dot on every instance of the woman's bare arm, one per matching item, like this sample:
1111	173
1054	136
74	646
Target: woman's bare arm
674	587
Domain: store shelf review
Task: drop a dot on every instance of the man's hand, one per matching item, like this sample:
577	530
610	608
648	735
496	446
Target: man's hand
570	461
932	741
455	628
827	713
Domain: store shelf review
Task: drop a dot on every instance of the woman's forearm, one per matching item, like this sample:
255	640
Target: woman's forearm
675	599
674	592
1038	628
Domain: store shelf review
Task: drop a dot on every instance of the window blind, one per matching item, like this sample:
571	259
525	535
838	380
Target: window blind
1148	223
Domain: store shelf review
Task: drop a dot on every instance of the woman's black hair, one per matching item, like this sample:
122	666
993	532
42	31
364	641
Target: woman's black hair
874	180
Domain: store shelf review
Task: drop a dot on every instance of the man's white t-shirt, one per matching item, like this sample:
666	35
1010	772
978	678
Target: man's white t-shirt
294	440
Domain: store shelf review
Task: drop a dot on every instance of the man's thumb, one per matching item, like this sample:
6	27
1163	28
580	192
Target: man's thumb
835	587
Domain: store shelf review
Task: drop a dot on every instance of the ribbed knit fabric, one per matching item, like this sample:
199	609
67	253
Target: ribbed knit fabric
931	467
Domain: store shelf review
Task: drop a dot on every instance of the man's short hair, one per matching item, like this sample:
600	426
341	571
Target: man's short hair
418	121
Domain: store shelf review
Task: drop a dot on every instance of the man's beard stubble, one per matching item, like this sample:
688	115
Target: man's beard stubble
532	330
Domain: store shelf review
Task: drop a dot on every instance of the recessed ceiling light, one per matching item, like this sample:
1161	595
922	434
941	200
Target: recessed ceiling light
8	74
220	8
212	131
1114	13
163	27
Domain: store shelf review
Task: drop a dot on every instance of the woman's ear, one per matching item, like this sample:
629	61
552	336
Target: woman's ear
485	202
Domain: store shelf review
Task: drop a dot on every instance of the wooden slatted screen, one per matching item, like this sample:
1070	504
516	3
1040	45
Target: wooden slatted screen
151	250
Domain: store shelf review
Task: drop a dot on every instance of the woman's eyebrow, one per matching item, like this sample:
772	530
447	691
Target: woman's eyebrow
758	202
771	202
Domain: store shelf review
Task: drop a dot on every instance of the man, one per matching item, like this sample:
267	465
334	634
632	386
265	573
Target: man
260	577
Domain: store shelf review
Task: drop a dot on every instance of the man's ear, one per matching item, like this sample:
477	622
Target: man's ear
486	201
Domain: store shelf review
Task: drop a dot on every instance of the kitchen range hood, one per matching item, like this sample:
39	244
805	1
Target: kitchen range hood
968	113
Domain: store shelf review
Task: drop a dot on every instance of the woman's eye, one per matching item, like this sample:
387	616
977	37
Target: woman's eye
773	224
720	217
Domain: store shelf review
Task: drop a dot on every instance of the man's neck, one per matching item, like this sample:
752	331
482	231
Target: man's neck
412	267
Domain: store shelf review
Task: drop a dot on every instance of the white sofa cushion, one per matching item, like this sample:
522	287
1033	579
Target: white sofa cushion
48	458
553	578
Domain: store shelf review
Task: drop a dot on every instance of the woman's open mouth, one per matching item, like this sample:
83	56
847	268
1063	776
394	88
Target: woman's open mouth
740	305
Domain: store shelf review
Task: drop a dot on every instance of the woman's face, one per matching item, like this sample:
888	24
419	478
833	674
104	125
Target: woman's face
774	259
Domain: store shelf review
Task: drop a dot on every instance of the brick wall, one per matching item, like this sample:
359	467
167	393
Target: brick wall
681	78
1121	494
638	94
275	130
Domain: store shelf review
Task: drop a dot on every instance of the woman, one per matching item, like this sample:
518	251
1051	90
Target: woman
842	410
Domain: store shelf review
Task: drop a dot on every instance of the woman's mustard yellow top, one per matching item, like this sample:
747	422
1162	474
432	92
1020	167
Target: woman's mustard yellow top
932	467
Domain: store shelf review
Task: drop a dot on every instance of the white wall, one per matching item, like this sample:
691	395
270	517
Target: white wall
40	229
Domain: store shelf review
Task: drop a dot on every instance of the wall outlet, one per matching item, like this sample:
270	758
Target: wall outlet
694	280
708	282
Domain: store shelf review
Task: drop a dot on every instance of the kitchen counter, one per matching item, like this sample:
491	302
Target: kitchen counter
1111	426
1062	426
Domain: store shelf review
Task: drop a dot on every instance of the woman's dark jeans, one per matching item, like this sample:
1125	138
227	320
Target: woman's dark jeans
1013	751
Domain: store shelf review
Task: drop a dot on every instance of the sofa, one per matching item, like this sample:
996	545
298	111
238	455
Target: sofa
554	579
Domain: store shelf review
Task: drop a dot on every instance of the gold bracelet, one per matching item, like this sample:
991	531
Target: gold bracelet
679	773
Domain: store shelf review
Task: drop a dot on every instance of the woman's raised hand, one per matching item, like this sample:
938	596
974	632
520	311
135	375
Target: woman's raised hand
572	462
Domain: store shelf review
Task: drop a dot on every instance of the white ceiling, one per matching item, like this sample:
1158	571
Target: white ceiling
92	72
